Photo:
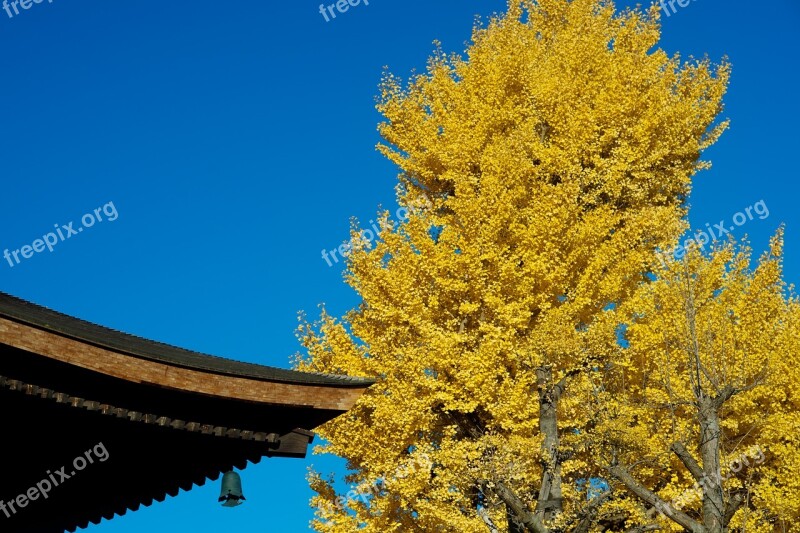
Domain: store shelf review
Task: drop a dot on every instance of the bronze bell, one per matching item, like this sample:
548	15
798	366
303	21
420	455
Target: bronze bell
231	490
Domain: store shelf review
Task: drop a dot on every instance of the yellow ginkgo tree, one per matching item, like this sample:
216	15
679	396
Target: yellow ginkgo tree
696	417
541	170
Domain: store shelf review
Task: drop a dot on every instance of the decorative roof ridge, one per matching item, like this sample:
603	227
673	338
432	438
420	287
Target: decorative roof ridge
272	439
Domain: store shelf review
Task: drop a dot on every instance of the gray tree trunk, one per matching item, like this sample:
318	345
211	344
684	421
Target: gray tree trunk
549	502
713	496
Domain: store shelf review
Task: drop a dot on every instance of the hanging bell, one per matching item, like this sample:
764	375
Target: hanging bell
231	493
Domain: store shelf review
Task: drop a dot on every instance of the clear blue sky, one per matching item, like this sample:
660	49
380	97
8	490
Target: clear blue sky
236	139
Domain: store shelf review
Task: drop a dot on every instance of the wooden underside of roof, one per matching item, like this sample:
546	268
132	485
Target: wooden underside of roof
146	462
159	440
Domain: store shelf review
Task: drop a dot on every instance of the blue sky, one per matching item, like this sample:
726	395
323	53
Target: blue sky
236	140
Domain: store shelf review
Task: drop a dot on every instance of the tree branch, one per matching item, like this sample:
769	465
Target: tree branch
484	514
642	529
653	499
589	513
689	462
506	495
735	503
559	387
724	395
531	522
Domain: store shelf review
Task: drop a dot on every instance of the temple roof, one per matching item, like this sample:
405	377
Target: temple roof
170	418
67	326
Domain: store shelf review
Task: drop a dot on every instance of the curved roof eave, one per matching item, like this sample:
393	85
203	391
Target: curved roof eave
40	317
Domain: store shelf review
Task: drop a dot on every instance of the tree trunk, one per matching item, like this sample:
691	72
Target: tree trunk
549	502
713	496
514	525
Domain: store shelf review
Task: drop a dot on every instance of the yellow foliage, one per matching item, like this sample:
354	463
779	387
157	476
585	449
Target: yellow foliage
715	322
550	161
